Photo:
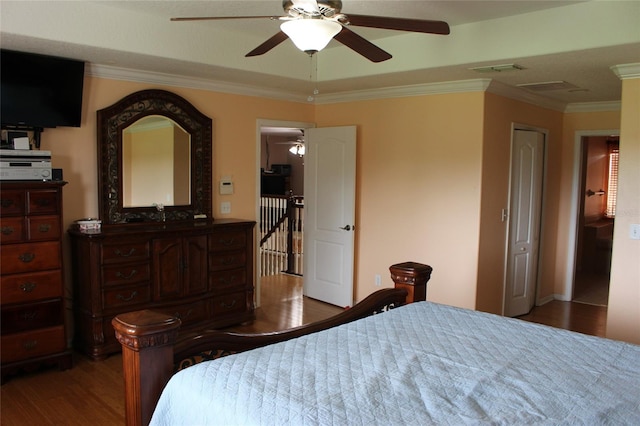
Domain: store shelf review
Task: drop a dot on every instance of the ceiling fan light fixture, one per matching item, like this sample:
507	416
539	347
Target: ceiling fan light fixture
310	35
297	149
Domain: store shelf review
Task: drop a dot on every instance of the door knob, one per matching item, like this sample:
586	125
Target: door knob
346	228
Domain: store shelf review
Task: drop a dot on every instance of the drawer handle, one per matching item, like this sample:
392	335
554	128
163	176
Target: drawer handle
28	287
127	299
26	257
43	202
7	230
29	315
180	316
227	242
228	260
228	305
7	202
30	344
45	227
126	277
227	280
123	254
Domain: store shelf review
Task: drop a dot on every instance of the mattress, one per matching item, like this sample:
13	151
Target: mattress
423	363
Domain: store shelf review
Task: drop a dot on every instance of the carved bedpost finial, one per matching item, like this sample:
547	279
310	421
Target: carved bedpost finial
147	359
413	277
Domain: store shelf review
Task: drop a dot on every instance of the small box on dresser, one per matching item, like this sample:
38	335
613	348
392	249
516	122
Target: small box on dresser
33	331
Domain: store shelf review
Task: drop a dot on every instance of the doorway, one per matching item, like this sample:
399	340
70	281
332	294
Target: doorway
595	218
279	173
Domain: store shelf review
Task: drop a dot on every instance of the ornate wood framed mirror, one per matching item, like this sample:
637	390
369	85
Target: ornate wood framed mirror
154	161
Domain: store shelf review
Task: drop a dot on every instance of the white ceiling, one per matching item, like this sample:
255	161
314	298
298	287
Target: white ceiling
573	41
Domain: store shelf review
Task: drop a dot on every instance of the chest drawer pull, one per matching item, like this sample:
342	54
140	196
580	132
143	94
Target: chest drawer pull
185	316
28	287
228	305
227	242
43	202
26	257
30	344
45	227
229	260
129	298
6	202
7	230
123	254
29	315
126	277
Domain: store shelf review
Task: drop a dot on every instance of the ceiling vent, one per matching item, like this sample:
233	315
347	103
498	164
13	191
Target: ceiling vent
498	68
548	85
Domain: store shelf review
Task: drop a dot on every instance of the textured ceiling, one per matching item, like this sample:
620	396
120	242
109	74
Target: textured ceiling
571	41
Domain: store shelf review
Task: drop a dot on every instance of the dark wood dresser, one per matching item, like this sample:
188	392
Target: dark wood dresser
33	329
201	272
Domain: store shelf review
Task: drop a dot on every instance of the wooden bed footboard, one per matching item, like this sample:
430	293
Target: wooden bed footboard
151	348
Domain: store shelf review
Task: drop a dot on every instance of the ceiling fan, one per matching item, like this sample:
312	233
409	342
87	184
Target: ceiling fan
311	24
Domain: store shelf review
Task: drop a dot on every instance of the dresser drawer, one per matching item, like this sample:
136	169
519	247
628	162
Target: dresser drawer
11	202
31	344
12	230
227	240
31	316
125	252
188	313
229	304
42	228
42	202
126	296
224	261
226	281
16	258
22	288
126	274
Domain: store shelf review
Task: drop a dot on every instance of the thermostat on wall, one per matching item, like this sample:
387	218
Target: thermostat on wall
226	185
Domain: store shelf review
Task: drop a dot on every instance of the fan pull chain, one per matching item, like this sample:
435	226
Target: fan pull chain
311	98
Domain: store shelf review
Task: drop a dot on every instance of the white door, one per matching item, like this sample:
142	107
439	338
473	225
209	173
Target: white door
527	167
329	204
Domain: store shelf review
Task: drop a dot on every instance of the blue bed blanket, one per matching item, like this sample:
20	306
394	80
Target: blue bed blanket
423	363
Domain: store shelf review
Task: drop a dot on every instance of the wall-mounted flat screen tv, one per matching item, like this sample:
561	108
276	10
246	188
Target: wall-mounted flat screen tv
40	91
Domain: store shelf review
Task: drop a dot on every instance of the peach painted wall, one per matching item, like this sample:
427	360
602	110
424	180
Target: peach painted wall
418	188
623	314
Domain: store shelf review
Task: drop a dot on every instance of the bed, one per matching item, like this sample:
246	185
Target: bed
413	362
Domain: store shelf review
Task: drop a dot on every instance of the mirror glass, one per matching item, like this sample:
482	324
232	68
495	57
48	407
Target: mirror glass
155	163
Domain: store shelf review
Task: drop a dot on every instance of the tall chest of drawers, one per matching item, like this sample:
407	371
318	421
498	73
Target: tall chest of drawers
31	280
200	272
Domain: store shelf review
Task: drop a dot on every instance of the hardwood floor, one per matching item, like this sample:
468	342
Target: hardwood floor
92	392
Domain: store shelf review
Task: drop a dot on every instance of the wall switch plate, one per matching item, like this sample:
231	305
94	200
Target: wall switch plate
225	207
378	280
634	231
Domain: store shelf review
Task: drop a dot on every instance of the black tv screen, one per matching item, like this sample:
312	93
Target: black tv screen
39	90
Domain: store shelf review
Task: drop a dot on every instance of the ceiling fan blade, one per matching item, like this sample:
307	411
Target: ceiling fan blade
361	45
268	45
401	24
220	18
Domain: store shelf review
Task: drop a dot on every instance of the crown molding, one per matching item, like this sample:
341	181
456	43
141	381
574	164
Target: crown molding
593	106
125	74
626	71
461	86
